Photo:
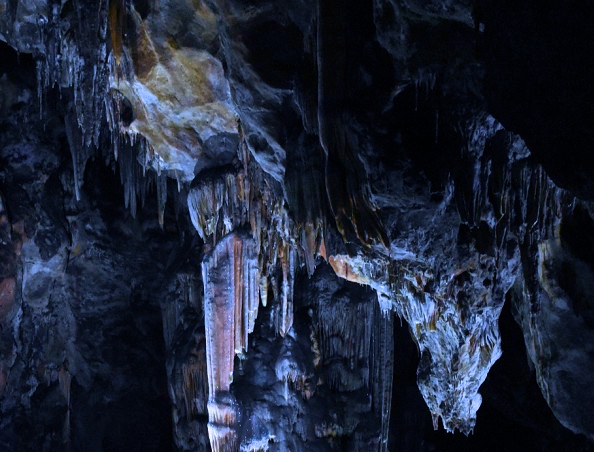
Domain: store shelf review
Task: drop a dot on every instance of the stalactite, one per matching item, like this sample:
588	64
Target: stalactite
287	258
456	329
217	205
161	182
131	177
382	363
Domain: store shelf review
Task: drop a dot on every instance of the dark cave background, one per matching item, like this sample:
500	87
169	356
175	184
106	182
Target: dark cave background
92	284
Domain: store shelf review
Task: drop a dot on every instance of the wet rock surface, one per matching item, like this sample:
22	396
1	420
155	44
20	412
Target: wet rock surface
312	225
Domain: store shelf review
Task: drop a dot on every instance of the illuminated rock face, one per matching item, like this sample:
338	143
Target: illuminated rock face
296	179
181	103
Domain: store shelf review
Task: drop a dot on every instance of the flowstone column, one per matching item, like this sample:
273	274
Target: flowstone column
231	297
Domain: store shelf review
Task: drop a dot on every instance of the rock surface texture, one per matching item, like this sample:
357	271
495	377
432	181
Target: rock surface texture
296	225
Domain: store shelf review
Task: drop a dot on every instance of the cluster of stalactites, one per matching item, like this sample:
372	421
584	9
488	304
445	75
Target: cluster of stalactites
240	214
225	201
253	248
452	304
455	327
135	161
453	321
72	55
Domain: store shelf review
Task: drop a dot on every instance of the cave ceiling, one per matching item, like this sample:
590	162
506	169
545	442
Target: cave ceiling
296	225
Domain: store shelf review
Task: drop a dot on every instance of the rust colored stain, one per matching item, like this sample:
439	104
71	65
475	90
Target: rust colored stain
116	28
343	268
7	287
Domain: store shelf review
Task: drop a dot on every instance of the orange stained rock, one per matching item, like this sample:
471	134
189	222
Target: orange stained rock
144	56
322	250
116	27
7	289
179	95
342	267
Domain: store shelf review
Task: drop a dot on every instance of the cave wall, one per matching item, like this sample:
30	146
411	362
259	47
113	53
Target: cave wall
310	225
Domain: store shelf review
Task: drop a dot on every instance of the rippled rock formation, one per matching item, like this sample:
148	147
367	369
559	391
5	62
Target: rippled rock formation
301	225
